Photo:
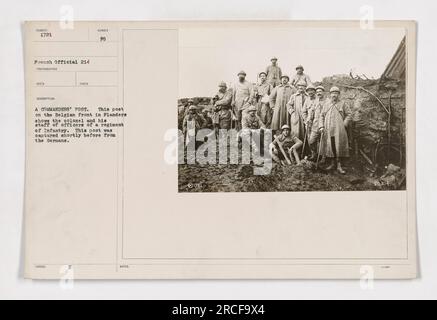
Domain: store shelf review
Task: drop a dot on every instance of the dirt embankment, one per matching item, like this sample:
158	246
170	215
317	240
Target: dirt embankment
240	178
378	115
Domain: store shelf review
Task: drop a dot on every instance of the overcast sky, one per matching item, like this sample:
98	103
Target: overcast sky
210	55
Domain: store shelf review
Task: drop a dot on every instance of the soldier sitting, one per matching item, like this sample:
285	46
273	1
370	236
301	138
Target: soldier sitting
251	120
285	145
207	119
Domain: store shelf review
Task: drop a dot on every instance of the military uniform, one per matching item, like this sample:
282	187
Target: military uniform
274	74
262	93
262	89
288	142
297	113
207	122
242	93
278	102
313	119
334	118
222	114
301	78
192	122
252	122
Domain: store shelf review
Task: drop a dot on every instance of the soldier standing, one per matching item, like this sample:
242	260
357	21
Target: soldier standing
300	77
295	107
242	93
207	123
278	102
190	102
222	116
274	73
334	119
192	121
308	106
313	119
262	92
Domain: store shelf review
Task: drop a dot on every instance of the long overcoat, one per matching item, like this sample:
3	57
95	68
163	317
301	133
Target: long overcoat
296	110
334	118
278	101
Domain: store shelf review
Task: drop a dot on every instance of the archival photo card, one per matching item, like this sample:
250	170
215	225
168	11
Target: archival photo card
220	150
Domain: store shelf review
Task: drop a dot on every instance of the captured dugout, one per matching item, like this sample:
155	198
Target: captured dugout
271	109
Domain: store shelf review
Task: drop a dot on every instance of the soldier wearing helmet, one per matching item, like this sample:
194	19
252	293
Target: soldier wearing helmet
222	115
190	102
334	120
273	73
287	142
241	93
251	120
295	107
300	76
313	119
262	91
193	121
308	107
278	102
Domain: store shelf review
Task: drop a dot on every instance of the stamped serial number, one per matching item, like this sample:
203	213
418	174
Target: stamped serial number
220	310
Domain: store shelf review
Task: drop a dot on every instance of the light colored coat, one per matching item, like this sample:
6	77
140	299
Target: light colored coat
278	101
297	114
313	117
334	118
242	92
308	106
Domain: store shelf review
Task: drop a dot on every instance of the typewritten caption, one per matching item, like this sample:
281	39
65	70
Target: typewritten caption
67	124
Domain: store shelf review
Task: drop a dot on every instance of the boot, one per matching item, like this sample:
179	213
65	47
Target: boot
276	159
331	166
339	168
323	160
313	156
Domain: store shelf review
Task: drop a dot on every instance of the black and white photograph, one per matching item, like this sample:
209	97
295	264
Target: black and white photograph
292	109
218	158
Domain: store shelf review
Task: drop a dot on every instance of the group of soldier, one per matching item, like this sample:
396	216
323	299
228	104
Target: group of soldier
303	119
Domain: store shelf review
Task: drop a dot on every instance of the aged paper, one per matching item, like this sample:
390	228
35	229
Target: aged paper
128	175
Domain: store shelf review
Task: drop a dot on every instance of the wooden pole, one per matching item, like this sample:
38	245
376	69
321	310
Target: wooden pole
283	151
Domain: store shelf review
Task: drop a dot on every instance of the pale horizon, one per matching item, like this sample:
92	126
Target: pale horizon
210	55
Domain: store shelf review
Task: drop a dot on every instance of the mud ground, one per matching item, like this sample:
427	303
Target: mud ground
240	178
